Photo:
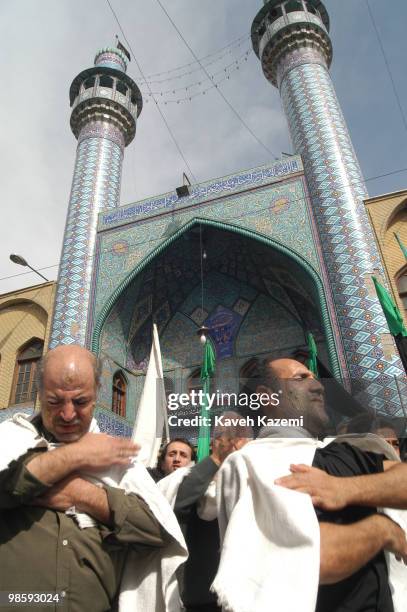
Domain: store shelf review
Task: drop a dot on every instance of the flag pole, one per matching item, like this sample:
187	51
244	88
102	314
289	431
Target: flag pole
401	245
312	363
207	372
394	320
152	417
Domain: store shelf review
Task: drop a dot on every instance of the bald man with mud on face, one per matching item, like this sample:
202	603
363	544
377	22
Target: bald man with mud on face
42	549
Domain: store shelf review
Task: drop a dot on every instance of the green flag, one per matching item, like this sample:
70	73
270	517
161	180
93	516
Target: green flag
312	364
391	312
401	245
207	372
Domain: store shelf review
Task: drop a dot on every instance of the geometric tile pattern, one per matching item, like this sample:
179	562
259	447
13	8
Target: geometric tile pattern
112	424
337	191
234	183
248	209
95	187
239	275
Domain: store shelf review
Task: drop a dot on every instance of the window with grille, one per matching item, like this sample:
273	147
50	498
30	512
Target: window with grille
25	375
119	394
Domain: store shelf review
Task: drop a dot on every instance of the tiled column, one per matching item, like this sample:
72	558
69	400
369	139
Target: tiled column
95	187
295	51
105	106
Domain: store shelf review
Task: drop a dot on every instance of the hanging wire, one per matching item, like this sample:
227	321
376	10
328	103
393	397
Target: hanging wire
235	112
202	280
158	108
198	68
239	40
233	65
233	217
403	117
189	97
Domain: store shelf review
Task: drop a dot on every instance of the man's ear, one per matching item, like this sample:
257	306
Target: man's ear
263	389
269	410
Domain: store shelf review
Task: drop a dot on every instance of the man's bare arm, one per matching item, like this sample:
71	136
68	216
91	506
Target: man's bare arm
347	548
127	518
91	453
387	489
75	491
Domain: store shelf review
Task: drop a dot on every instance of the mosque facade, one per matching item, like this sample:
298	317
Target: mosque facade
261	257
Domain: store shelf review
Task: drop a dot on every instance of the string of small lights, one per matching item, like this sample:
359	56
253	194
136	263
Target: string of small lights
218	89
226	75
197	67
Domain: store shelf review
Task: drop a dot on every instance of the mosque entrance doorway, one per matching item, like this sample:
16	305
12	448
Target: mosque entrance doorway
255	300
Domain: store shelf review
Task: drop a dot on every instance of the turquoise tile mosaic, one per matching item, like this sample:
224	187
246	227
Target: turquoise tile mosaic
295	52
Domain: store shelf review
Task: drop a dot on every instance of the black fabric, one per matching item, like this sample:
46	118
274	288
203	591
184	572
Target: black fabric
204	608
368	589
202	538
156	474
39	426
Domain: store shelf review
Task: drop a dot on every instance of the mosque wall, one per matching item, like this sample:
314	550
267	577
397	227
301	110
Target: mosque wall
272	202
277	210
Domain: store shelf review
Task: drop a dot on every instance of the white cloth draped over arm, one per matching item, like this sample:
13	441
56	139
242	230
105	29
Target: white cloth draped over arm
270	535
149	580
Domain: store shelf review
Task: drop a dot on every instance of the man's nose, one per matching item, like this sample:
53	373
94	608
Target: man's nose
317	387
68	412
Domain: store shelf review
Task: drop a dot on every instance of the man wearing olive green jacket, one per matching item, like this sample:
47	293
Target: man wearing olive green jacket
42	549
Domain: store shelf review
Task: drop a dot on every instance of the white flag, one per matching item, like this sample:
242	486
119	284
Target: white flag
151	418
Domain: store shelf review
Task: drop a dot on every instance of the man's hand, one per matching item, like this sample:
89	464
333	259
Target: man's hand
91	453
223	445
101	451
327	492
75	491
347	548
396	541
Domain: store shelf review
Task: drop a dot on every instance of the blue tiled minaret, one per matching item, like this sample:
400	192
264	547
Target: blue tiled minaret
291	39
105	105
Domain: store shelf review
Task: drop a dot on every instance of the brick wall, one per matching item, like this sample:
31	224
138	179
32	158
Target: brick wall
24	314
388	215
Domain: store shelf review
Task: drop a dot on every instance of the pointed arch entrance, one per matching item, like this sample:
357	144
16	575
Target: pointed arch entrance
291	260
259	299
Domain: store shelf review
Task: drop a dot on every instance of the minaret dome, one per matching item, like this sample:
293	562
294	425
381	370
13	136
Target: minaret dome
105	92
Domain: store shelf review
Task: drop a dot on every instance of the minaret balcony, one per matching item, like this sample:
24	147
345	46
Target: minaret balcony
107	94
297	18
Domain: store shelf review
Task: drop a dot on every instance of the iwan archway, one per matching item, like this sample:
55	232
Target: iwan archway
259	298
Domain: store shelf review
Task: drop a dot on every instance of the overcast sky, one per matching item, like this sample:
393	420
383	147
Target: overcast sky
46	43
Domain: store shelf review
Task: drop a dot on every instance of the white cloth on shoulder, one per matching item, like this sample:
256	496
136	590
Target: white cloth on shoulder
270	552
170	484
206	505
270	535
149	577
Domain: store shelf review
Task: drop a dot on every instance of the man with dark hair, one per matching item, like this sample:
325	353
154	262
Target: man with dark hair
177	453
43	549
353	571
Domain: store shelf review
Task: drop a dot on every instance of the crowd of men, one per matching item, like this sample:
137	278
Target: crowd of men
245	497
